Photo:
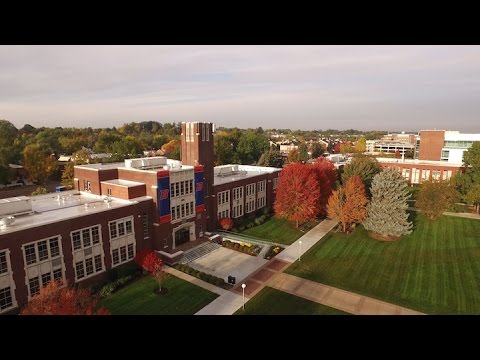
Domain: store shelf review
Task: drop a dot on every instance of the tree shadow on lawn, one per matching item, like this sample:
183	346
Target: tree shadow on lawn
413	217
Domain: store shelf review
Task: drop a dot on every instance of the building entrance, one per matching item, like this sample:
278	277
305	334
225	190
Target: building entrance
182	236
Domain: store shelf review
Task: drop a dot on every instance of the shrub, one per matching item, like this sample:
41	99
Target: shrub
266	210
124	270
250	225
241	227
226	223
219	281
258	221
239	221
235	230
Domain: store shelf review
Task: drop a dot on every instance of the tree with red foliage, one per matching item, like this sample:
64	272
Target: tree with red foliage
54	299
226	223
326	175
150	262
298	194
348	204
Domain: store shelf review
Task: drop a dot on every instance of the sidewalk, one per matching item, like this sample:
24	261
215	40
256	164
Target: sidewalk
336	298
227	304
292	253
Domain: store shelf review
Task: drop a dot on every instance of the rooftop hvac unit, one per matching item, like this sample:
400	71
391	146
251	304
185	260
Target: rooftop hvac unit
15	205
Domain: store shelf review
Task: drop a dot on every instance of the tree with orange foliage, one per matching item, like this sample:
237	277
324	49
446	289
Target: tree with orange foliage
348	204
298	194
226	223
54	299
170	147
326	175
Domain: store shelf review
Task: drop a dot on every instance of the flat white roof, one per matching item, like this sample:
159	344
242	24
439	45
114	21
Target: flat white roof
122	182
417	162
56	207
230	173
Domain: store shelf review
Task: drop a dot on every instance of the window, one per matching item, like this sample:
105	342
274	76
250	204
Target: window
172	189
121	229
89	266
223	197
191	186
261	185
91	239
54	249
122	248
113	230
109	192
115	257
182	188
86	237
34	286
5	298
87	186
145	224
128	226
50	262
95	235
30	255
80	273
98	263
42	250
275	183
130	251
3	262
173	213
57	275
46	278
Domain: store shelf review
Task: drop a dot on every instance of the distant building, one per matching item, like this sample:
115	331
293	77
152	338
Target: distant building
445	146
416	171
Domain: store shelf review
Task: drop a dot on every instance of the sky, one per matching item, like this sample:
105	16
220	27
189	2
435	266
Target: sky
394	88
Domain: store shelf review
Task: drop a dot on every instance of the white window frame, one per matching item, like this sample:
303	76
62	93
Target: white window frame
85	254
38	267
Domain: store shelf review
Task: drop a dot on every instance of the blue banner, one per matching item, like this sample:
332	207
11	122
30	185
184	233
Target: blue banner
163	196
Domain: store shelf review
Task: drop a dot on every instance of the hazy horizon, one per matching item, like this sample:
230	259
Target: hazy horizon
391	88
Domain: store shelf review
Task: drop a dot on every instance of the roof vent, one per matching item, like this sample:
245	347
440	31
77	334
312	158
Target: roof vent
7	221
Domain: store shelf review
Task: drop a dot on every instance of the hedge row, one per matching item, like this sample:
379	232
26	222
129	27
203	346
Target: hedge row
109	288
200	274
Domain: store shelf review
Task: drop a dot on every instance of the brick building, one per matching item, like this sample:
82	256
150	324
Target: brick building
119	209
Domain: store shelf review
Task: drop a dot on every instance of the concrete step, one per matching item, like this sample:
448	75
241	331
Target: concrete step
199	251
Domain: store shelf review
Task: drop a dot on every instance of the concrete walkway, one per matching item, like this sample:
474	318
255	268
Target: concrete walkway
196	281
228	304
336	298
225	304
292	253
463	215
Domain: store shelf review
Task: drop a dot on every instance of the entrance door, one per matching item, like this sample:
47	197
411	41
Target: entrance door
182	236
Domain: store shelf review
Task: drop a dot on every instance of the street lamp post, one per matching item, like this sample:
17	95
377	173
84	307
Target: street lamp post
299	250
243	294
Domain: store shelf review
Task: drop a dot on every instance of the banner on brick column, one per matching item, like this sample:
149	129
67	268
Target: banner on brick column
199	188
163	196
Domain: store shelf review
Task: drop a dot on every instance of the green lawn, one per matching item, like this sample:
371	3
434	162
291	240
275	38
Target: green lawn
435	270
138	298
277	230
271	301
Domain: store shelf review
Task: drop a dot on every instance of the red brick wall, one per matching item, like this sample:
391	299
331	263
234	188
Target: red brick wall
15	240
229	186
431	143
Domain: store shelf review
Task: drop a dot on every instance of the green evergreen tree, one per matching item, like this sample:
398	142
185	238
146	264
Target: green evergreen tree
363	166
387	212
